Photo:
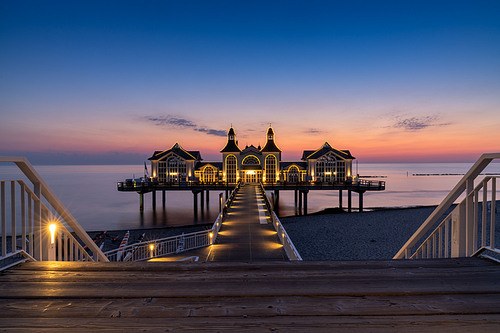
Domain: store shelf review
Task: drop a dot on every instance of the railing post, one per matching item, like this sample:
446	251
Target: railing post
4	218
469	213
37	211
485	212
51	238
13	214
458	231
493	211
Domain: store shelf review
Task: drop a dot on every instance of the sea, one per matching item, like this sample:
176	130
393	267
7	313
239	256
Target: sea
90	193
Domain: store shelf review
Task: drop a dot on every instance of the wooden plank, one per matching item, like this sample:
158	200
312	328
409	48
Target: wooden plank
253	306
272	266
419	324
249	287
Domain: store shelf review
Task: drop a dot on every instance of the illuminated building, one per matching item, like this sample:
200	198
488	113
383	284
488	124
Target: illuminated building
252	164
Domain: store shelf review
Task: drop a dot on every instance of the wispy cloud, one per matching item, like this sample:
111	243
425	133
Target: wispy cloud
170	120
313	131
417	123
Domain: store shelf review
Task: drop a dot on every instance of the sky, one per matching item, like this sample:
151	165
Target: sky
110	82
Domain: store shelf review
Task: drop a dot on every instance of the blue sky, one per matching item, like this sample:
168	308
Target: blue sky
389	80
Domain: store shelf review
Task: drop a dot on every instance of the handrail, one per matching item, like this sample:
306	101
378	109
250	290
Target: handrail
462	221
39	217
175	244
290	249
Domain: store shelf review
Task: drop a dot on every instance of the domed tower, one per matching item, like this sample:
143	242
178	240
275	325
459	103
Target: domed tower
272	157
230	155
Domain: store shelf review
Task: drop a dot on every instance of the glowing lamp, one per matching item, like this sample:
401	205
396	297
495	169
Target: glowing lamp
52	229
151	247
211	235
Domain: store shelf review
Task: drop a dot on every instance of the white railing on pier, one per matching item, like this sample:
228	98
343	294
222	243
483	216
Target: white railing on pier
39	221
290	249
175	244
469	229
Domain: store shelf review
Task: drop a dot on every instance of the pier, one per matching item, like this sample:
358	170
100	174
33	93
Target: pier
301	191
57	285
325	168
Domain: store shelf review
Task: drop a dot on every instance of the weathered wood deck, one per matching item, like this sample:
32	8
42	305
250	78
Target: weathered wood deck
439	295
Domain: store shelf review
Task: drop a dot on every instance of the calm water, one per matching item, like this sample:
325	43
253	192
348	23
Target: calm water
90	194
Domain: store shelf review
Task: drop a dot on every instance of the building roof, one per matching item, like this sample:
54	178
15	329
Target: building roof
231	147
270	147
179	151
326	148
300	165
200	165
251	149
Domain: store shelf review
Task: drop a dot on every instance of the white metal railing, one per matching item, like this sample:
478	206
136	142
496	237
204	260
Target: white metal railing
39	221
175	244
290	249
468	230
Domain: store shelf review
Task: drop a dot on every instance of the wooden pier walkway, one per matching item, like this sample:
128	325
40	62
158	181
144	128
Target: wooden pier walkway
435	295
246	234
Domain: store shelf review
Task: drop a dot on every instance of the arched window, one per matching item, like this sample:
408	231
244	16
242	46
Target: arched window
326	168
231	169
293	174
251	160
175	169
270	169
208	175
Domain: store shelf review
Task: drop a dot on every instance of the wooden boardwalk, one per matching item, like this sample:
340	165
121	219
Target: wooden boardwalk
246	234
439	295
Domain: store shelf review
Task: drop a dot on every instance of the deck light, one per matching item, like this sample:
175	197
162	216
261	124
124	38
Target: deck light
151	247
52	229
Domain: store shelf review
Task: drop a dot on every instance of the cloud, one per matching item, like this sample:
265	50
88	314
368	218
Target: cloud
416	124
174	121
313	131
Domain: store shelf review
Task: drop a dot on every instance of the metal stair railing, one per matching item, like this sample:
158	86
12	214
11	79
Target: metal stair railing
42	221
468	230
175	244
290	249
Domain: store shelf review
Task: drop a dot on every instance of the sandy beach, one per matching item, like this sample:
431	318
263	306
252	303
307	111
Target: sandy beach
375	234
367	235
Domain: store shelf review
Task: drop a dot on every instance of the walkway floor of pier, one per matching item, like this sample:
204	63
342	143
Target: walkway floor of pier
246	234
435	295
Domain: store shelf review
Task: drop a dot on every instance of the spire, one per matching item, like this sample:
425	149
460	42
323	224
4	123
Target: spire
231	145
270	145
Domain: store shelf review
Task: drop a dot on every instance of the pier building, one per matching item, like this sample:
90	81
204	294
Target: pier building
252	164
324	168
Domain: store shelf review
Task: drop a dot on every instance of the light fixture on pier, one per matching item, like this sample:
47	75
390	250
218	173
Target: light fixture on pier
52	228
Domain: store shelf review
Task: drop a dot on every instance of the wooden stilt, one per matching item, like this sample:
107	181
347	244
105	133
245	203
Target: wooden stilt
154	200
349	201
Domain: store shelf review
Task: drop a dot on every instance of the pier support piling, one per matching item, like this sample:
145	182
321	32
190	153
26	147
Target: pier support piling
300	202
195	201
208	197
360	202
295	198
340	199
153	201
305	202
141	202
164	198
349	201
